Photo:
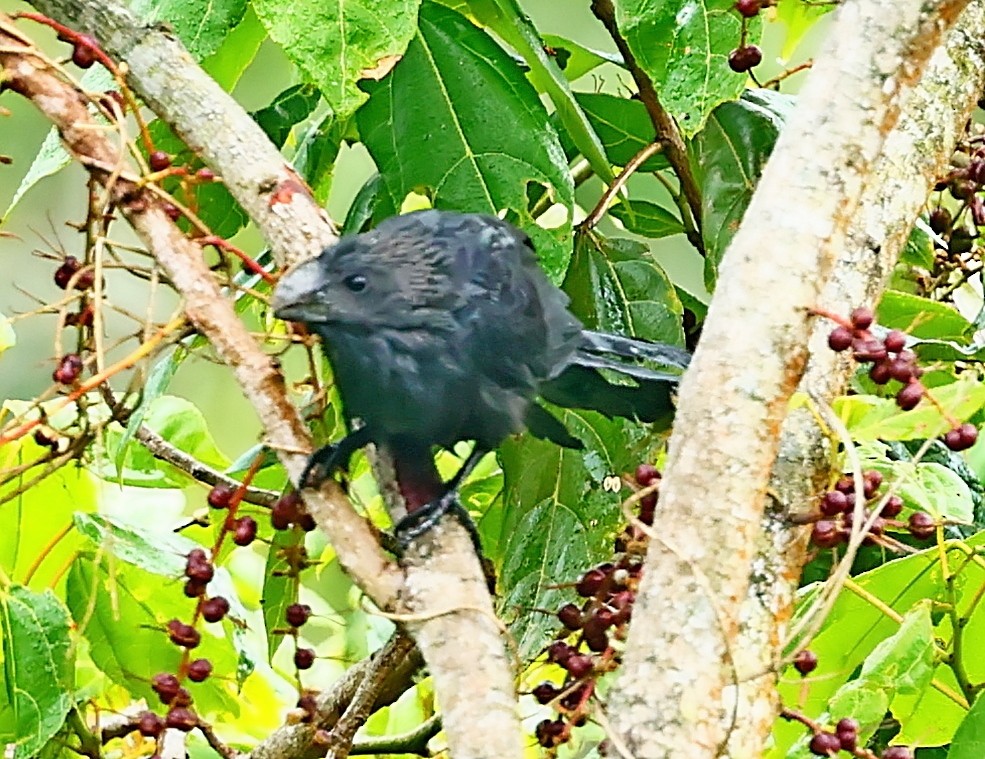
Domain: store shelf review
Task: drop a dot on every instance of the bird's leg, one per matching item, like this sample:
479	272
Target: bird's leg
418	522
329	459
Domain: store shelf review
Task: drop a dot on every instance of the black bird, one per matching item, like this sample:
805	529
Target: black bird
441	327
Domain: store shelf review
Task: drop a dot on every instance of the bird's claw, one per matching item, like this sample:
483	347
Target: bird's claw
418	522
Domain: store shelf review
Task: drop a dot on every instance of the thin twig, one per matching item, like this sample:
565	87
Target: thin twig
619	182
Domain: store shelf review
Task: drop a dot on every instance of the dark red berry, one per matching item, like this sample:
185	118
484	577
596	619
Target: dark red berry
895	341
550	733
590	583
171	211
297	614
182	698
43	438
199	670
748	8
182	719
166	686
834	502
559	652
872	480
825	534
893	507
909	396
84	52
840	339
646	474
182	634
158	160
84	318
805	661
594	635
65	272
545	693
744	58
306	522
847	732
825	744
579	665
244	531
880	372
309	704
862	318
648	508
846	485
68	369
940	220
962	189
221	496
285	511
202	573
962	437
304	658
901	370
605	618
570	616
214	609
921	525
976	171
869	349
194	588
205	175
897	752
150	725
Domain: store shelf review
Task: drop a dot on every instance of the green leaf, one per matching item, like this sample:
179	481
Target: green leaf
279	588
623	127
574	59
318	147
969	738
159	552
201	25
871	418
362	210
616	286
339	44
122	611
798	17
290	107
919	250
8	338
683	46
227	64
457	118
647	219
728	157
921	317
38	670
557	519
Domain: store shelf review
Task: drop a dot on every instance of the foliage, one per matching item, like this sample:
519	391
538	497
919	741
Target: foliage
465	105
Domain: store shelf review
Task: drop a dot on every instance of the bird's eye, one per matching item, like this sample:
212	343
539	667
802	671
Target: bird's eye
355	282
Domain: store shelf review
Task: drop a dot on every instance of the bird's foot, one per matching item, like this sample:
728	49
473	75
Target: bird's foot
423	519
332	458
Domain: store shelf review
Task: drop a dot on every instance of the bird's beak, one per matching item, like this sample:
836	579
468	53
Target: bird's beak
296	296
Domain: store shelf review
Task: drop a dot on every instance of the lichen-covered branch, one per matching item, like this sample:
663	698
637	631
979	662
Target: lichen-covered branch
677	693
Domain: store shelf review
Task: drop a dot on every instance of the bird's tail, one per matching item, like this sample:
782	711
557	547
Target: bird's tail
620	376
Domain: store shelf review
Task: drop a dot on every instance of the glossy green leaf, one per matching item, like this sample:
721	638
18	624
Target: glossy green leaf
122	611
623	127
339	44
798	17
237	51
647	219
290	107
201	25
728	157
683	46
38	668
616	286
318	147
363	207
919	249
158	552
969	738
457	120
279	588
557	520
921	317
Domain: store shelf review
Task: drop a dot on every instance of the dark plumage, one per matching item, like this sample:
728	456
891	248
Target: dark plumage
442	327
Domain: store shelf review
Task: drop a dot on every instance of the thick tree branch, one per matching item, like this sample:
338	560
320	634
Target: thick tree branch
677	694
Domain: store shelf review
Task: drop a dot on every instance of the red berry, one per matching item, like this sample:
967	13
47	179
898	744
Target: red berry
909	396
182	719
205	175
897	752
306	522
570	616
748	8
921	525
744	58
244	531
65	272
646	474
150	725
158	160
545	693
590	583
594	635
895	341
862	318
84	51
834	502
893	507
194	588
579	665
940	220
901	370
550	733
171	211
559	652
846	485
199	670
297	614
805	661
869	349
825	744
825	534
962	437
304	658
183	635
285	511
166	686
880	372
840	339
872	480
68	369
214	609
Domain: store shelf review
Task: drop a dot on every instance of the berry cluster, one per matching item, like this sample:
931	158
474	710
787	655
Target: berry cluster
289	510
891	360
838	513
746	56
585	648
244	529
